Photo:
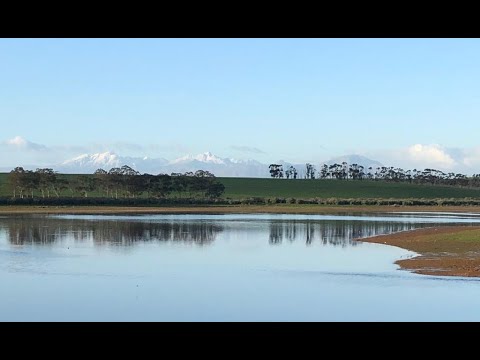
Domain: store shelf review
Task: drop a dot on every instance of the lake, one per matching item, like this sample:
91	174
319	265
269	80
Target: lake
257	267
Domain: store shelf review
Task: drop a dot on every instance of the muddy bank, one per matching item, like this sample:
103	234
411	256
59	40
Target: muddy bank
446	251
231	209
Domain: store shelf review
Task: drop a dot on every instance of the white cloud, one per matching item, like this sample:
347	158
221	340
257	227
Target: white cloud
422	156
472	158
19	151
433	155
19	142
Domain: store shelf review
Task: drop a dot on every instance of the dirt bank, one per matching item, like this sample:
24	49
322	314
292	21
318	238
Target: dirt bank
231	209
447	251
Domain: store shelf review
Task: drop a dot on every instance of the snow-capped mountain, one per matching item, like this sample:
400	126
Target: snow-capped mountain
101	160
219	166
88	163
228	167
206	157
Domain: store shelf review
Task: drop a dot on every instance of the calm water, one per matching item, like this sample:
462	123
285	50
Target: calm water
221	268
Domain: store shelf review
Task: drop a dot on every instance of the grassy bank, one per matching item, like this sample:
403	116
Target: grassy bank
446	251
230	209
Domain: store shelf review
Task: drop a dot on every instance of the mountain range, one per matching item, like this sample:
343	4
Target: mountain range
227	167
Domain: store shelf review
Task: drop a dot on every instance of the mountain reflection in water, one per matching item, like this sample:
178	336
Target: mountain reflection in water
48	230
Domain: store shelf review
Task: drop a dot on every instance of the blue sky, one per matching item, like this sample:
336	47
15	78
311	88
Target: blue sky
400	100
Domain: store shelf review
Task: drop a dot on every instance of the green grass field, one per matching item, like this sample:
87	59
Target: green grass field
240	188
249	187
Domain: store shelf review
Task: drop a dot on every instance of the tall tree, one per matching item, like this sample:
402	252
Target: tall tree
102	180
309	171
31	181
46	180
16	179
85	184
276	170
324	171
215	190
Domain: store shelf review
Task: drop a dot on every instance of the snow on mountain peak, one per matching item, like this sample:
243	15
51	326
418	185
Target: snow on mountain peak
206	157
88	163
75	159
106	157
99	159
209	157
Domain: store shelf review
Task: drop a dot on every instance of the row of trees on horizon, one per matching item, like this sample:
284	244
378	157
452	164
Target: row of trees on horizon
123	182
344	171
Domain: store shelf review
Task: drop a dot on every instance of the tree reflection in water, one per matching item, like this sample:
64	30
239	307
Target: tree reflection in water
45	230
126	232
337	233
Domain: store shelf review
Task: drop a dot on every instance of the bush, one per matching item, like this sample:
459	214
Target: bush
331	201
254	201
94	201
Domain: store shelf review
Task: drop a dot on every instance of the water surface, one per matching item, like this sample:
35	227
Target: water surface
257	267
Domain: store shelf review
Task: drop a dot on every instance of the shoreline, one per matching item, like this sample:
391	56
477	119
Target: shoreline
443	251
305	209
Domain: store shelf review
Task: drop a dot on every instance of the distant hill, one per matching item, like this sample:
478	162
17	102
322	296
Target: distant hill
354	159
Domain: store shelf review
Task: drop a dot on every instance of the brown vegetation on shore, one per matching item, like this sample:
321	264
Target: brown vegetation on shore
232	209
446	251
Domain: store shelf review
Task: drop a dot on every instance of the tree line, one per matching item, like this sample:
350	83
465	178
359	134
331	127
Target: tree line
122	182
345	171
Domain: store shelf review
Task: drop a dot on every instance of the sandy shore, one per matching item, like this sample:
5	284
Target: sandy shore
446	251
231	209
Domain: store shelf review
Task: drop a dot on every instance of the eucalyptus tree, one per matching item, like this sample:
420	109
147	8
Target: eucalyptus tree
204	174
214	190
179	184
129	180
46	180
84	184
291	172
16	179
336	170
324	171
102	180
161	185
309	171
31	181
59	185
115	177
276	170
294	172
344	171
287	174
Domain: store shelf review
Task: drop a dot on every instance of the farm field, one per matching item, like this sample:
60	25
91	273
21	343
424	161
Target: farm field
242	188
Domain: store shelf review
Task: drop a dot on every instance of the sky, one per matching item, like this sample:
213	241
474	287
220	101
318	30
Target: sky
404	102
